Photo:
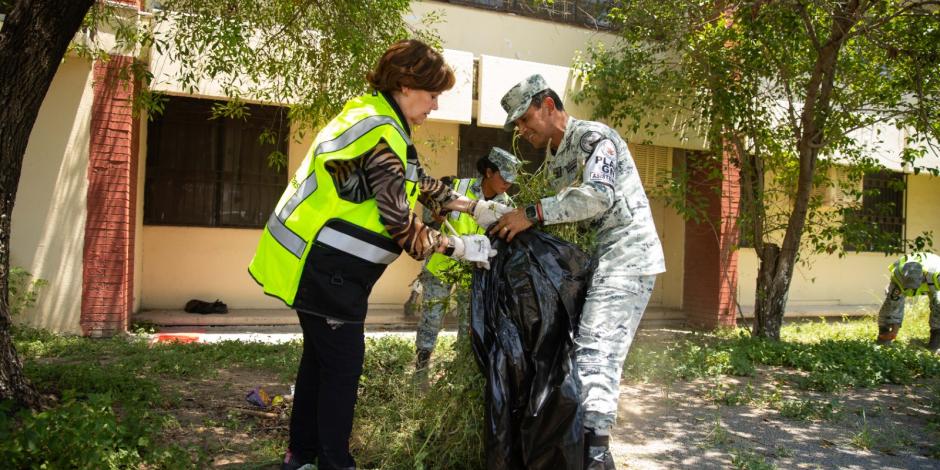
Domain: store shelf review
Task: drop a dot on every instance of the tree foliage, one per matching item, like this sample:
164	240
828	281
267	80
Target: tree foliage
309	54
789	89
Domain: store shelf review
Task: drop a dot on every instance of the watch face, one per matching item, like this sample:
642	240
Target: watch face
530	213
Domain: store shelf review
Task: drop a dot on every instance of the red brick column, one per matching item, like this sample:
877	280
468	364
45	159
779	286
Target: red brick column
711	260
108	264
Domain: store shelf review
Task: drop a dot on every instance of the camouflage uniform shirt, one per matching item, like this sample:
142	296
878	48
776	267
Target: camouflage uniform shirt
596	180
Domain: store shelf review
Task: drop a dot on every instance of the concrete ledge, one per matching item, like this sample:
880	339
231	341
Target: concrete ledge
808	311
379	317
385	317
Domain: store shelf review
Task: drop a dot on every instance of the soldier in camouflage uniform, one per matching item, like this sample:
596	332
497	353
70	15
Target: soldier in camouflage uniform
911	275
498	173
596	182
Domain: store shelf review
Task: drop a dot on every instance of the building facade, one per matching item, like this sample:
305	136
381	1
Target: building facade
122	214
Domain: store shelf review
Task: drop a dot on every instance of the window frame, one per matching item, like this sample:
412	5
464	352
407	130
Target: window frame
234	180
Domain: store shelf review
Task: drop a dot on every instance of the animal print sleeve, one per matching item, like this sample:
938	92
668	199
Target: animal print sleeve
385	175
434	194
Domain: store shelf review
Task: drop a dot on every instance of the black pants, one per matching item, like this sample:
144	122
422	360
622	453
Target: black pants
325	392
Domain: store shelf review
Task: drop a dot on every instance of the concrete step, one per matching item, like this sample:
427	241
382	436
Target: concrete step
384	317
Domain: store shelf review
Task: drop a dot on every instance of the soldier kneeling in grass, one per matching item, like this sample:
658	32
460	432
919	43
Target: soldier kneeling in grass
911	275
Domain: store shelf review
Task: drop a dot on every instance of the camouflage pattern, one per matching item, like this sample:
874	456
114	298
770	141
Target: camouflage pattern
518	99
506	162
433	308
912	275
597	181
438	301
611	315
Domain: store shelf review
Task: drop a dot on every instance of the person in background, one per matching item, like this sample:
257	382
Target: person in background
595	179
911	275
346	214
497	174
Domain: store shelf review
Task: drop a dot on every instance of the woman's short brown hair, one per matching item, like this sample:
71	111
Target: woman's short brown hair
413	64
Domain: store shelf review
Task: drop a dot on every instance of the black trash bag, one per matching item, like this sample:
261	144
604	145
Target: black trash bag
203	307
524	315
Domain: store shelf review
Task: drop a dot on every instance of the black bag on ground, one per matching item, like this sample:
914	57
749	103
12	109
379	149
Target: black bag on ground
524	315
201	306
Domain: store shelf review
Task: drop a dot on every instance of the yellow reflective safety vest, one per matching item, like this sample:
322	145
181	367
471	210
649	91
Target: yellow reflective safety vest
310	206
931	265
462	222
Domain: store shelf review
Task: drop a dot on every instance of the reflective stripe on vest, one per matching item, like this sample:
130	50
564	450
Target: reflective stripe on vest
463	186
276	223
355	246
358	130
283	235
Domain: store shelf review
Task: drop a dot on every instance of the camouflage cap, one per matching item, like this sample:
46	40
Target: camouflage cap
507	163
517	100
911	275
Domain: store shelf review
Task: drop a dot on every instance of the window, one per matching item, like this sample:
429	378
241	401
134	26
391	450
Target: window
476	142
212	172
588	13
879	224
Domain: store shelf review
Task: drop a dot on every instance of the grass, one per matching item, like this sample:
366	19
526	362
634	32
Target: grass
831	356
122	403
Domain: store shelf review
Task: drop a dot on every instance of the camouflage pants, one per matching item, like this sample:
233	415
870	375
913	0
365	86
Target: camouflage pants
435	304
892	310
609	320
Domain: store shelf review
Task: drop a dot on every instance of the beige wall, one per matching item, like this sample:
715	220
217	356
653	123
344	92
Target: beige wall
858	278
49	216
484	32
182	263
923	207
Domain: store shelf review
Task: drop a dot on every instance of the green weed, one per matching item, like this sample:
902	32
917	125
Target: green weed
729	395
23	290
808	409
834	355
86	433
865	437
717	436
744	459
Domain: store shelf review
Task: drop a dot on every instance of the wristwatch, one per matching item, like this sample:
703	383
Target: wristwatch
532	213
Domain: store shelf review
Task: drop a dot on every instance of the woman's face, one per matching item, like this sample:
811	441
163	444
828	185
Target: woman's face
416	104
493	184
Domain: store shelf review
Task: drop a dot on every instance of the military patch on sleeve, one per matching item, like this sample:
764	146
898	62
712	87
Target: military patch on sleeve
601	167
589	140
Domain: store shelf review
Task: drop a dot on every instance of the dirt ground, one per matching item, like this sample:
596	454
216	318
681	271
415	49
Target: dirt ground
682	427
660	427
213	414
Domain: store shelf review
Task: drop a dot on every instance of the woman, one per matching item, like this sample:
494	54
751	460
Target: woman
346	214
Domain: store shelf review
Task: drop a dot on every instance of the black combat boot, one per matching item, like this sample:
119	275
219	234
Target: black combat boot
934	344
597	452
887	333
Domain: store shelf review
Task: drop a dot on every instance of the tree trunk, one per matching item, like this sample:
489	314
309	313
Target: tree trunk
776	262
33	41
772	290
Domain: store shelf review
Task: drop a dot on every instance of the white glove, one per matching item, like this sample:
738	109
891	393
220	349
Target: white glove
473	248
488	212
